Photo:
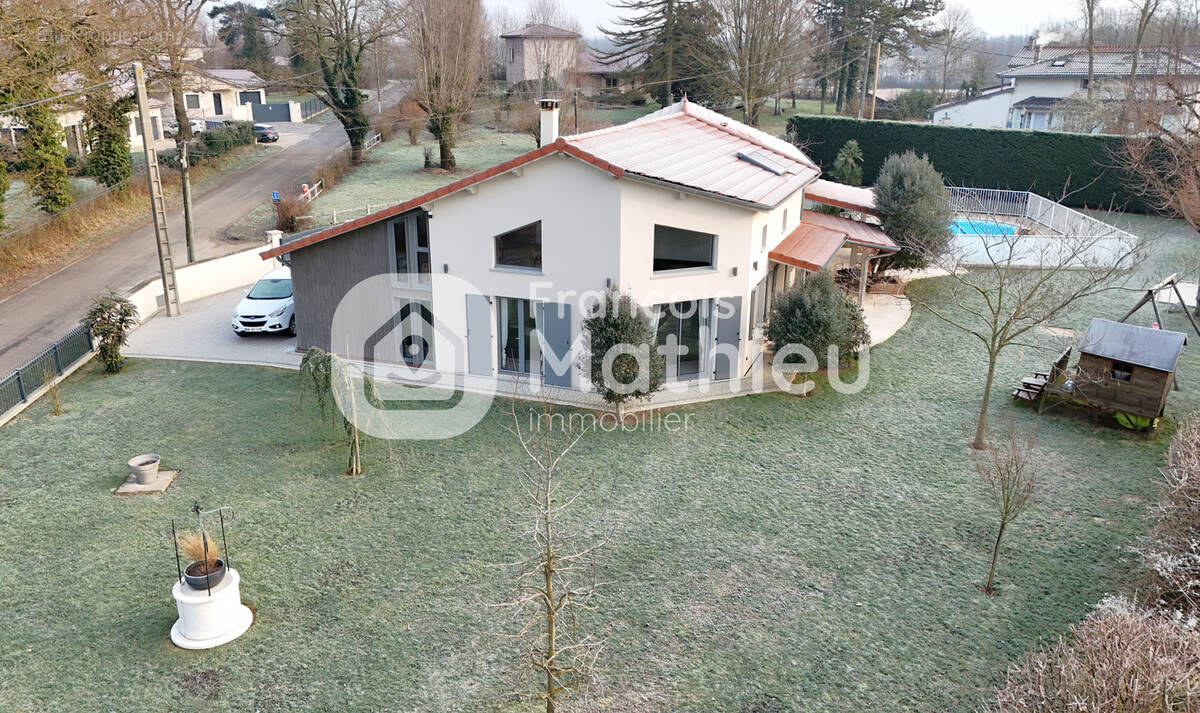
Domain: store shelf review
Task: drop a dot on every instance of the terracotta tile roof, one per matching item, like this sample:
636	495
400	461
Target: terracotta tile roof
857	232
841	195
696	148
559	146
809	247
683	145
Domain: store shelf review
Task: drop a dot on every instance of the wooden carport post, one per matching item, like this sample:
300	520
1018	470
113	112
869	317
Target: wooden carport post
862	278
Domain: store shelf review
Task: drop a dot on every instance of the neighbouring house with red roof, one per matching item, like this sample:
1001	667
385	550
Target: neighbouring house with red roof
701	219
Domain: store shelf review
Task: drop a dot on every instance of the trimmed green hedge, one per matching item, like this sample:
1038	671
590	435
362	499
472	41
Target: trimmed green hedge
1051	164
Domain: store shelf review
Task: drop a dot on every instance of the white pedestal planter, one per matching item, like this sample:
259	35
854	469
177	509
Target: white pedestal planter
206	621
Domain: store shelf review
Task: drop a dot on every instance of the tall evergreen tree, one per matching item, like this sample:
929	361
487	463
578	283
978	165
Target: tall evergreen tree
700	57
243	28
43	151
107	129
647	33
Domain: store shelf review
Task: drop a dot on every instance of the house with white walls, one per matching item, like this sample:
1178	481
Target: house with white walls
1040	79
701	219
216	95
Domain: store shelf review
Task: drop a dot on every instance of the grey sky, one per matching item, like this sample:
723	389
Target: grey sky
996	17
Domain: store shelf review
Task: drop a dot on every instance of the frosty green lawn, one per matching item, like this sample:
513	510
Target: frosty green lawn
782	554
20	204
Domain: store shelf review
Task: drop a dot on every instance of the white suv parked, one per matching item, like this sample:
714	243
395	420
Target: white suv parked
268	306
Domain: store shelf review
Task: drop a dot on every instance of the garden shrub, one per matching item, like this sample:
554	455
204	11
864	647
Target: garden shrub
111	317
1075	169
847	166
818	314
914	208
618	319
1120	658
1171	552
211	143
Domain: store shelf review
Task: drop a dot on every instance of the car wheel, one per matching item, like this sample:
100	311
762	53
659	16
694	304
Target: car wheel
292	326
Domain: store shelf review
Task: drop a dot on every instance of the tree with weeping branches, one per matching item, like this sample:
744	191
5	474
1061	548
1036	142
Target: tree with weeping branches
556	581
325	377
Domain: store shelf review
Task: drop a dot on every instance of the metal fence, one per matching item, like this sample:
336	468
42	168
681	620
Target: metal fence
311	107
33	374
1059	219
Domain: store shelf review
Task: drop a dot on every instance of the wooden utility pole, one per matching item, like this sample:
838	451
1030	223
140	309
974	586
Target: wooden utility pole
866	66
875	90
158	207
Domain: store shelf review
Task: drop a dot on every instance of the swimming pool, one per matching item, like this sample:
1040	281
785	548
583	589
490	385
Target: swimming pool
980	226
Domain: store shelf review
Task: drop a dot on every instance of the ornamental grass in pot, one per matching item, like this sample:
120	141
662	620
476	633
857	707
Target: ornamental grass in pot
207	569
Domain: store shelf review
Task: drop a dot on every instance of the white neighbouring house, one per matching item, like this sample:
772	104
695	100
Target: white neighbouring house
1039	79
216	95
70	116
688	211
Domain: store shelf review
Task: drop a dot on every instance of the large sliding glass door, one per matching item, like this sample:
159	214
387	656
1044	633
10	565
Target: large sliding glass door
520	352
683	328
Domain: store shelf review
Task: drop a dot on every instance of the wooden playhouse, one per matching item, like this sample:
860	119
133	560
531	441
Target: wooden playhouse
1121	368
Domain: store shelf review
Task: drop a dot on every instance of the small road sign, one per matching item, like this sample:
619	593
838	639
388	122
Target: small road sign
275	196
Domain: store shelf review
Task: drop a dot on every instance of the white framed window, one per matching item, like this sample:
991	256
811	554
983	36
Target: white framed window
191	101
683	329
764	237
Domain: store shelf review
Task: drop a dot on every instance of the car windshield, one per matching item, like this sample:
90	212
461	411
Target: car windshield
272	289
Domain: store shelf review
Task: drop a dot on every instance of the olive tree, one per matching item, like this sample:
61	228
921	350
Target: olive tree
817	314
624	364
914	208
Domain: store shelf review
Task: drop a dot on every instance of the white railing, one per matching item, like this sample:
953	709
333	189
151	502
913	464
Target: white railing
1053	234
992	201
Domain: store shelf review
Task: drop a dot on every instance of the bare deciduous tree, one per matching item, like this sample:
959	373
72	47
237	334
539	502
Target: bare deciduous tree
1162	152
1009	285
1089	19
1009	477
955	34
1145	13
760	43
556	582
556	58
447	40
170	30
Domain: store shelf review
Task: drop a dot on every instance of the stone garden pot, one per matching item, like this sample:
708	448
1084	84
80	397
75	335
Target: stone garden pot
145	467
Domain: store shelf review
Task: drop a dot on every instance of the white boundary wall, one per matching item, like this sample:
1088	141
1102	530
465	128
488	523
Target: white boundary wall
207	278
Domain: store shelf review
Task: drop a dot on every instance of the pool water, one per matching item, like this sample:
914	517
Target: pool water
979	226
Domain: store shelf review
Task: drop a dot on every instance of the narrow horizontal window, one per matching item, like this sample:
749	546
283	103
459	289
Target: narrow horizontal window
679	249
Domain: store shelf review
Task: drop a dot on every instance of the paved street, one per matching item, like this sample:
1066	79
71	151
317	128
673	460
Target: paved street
32	319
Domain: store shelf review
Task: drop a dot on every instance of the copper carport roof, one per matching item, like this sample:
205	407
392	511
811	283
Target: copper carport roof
819	236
